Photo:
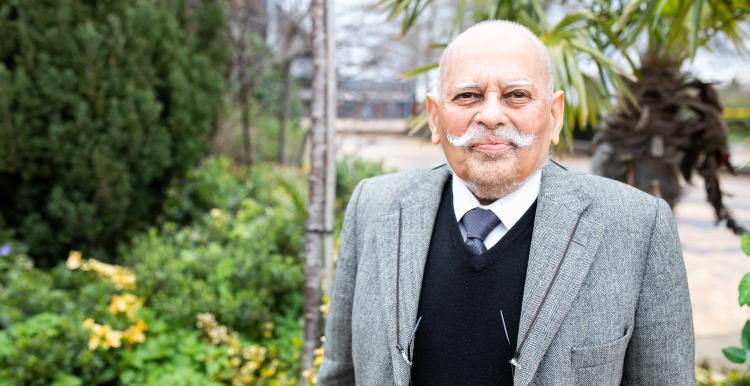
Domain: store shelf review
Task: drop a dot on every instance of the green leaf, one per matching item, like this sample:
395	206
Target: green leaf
695	26
67	380
461	12
735	354
745	243
745	338
417	71
418	123
571	19
629	10
602	59
744	289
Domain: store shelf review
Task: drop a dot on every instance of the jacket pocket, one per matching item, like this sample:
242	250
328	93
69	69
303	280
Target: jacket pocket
600	354
601	364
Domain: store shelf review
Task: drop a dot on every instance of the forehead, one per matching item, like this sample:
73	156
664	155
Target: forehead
483	59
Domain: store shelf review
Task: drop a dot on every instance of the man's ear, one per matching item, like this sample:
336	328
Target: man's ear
432	117
558	114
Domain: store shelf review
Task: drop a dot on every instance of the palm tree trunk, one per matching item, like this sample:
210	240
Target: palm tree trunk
674	129
316	199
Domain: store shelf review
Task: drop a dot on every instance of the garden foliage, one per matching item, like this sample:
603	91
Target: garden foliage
739	354
101	104
210	295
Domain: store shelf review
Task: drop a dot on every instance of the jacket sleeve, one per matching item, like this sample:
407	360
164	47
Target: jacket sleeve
661	350
337	367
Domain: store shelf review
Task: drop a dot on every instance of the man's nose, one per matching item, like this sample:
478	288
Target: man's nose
492	112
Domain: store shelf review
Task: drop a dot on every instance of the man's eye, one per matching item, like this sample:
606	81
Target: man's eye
466	95
518	94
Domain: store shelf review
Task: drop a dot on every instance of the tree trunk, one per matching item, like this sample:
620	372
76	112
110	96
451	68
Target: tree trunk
245	117
286	108
302	149
316	200
330	149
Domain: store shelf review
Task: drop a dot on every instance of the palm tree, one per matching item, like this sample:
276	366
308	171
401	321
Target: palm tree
673	125
665	123
570	41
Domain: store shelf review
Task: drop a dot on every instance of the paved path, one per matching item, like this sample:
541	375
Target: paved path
712	254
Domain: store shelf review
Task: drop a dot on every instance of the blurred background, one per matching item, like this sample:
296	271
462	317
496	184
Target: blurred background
169	170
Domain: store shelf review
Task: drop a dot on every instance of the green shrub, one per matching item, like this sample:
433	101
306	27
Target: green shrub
739	354
229	243
175	357
26	291
349	171
101	103
240	260
217	183
47	348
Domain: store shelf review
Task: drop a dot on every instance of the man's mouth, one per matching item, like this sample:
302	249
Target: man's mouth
493	146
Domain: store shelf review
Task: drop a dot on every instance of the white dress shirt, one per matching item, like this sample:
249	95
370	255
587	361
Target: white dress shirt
508	209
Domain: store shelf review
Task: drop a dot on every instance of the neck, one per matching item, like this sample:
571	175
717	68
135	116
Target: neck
488	194
485	201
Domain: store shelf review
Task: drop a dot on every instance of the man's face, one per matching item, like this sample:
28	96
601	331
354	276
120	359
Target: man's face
487	83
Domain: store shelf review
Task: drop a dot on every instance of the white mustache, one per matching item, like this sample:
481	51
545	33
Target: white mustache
508	133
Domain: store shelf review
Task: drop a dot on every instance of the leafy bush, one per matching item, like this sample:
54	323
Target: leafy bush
101	103
48	348
349	172
734	353
217	183
240	260
169	358
26	291
229	243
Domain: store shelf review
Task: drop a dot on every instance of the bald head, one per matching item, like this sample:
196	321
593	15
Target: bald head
485	35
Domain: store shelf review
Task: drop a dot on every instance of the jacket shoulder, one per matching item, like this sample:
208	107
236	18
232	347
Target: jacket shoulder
385	187
615	203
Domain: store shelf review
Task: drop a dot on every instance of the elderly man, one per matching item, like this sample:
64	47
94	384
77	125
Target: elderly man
504	267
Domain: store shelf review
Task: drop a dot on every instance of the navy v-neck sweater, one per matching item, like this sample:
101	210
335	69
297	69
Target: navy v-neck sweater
460	339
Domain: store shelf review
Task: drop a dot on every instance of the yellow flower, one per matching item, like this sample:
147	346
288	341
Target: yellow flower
251	366
74	260
247	379
206	320
267	330
135	333
88	323
268	372
125	304
94	342
105	337
318	357
123	278
113	338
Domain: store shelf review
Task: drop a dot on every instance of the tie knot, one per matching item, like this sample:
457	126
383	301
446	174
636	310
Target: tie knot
479	222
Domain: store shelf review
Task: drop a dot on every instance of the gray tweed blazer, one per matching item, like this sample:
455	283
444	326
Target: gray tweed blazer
605	299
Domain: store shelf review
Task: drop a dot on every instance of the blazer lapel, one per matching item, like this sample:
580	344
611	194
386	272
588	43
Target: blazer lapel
563	246
403	240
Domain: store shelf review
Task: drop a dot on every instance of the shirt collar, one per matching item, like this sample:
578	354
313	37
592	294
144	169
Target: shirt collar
508	209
